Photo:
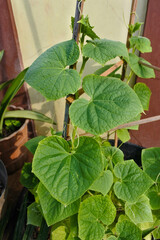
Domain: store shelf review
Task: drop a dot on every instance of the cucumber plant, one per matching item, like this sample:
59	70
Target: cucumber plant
83	188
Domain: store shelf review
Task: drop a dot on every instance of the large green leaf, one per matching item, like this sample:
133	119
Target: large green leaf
53	210
139	69
103	50
112	102
93	213
144	94
128	231
29	115
139	211
103	183
34	216
49	75
143	44
151	162
65	173
133	181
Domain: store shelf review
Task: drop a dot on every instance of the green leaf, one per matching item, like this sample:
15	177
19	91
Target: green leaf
105	68
49	75
67	174
139	69
93	213
143	44
60	233
53	210
156	233
154	198
147	231
112	102
34	216
151	162
144	94
128	231
27	178
11	92
123	135
134	27
103	50
29	115
139	211
133	181
113	154
86	28
1	54
32	144
103	183
112	238
5	84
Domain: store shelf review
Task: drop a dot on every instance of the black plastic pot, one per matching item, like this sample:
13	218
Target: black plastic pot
3	187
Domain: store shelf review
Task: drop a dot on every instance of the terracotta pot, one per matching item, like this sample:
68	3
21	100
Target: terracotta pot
12	150
3	188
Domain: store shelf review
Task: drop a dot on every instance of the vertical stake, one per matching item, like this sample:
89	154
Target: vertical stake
76	32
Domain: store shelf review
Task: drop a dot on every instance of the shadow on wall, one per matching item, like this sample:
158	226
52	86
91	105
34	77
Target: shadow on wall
33	27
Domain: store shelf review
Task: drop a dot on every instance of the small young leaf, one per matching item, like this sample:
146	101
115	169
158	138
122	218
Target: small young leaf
143	44
113	154
123	135
112	238
112	102
135	27
133	181
32	144
34	216
103	183
27	178
128	231
139	211
67	174
93	213
144	94
86	28
139	69
103	50
60	233
151	162
48	74
154	198
53	210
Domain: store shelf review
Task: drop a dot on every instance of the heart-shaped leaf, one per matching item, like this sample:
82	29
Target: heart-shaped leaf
103	183
67	174
133	181
53	210
151	162
128	231
139	211
143	44
93	213
139	69
113	154
144	94
103	50
112	102
49	75
154	197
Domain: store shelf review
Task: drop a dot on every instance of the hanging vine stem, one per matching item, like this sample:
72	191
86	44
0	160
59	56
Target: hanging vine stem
76	32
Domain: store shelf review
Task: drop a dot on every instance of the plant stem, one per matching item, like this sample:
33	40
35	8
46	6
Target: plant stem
150	66
73	136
